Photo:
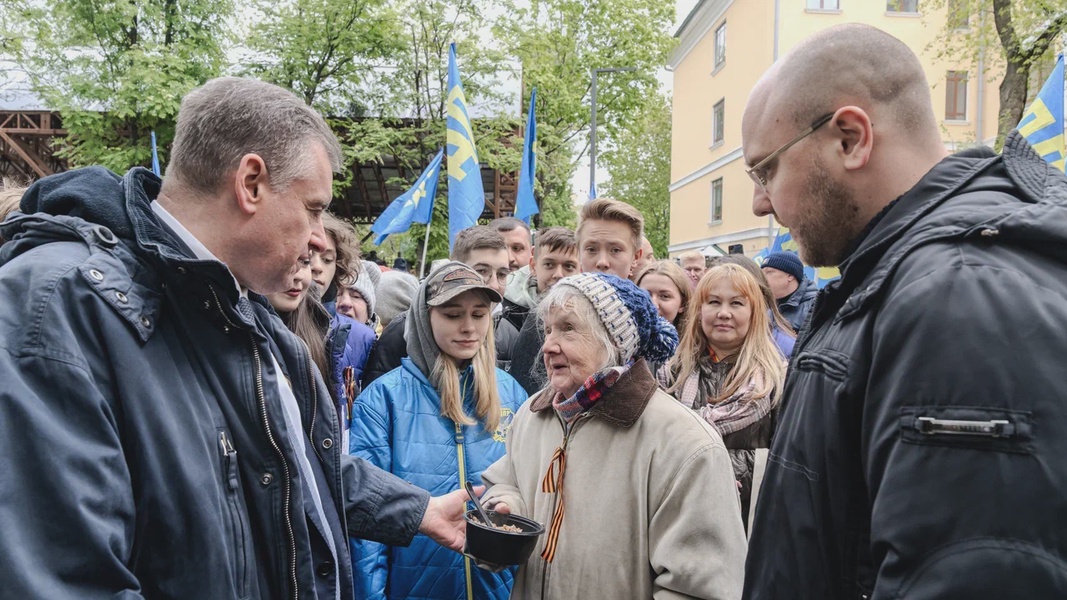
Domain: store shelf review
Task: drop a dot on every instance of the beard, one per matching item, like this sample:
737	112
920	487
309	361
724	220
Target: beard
825	230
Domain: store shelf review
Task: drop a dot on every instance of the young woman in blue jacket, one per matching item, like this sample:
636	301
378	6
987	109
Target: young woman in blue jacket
439	419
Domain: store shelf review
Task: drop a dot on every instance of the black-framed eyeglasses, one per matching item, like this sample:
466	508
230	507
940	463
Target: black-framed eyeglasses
758	171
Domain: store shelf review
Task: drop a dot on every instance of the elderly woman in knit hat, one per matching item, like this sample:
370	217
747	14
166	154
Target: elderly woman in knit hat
612	465
356	300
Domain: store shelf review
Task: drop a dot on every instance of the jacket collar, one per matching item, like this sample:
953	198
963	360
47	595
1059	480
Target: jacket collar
623	403
879	253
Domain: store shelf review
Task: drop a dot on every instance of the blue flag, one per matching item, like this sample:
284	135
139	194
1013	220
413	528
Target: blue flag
592	191
413	206
155	156
525	203
1043	122
466	197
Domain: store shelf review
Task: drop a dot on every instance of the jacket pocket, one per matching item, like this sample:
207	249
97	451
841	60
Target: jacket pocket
830	363
238	521
973	427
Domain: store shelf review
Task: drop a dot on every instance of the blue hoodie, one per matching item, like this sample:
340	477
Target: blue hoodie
397	425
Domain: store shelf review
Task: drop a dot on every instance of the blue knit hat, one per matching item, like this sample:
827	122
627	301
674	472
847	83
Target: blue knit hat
627	313
786	262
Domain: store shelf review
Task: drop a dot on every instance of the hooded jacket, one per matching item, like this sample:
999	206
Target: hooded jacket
651	508
143	451
920	451
397	425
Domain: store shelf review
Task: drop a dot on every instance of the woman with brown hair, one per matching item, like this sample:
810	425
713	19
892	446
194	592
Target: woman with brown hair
668	286
728	366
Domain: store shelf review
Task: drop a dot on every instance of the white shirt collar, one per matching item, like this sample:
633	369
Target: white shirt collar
199	250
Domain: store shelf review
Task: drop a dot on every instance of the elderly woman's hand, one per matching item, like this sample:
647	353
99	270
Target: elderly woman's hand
500	508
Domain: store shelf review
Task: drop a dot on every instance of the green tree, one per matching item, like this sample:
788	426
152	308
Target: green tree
409	102
323	50
1013	35
116	70
558	44
640	165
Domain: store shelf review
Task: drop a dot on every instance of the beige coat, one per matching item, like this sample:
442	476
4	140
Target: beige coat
651	505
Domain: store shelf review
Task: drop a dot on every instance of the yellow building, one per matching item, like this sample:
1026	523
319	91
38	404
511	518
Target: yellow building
723	48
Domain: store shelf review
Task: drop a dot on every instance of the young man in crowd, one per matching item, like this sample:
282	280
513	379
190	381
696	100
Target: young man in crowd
160	434
480	247
555	256
609	240
920	448
794	293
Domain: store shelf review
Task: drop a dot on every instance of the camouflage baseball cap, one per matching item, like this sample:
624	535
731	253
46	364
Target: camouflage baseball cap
451	280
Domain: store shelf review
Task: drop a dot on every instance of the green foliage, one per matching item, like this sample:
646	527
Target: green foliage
323	50
559	43
640	166
1008	37
116	70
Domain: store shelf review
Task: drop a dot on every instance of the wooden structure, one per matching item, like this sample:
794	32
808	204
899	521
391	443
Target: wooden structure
27	152
27	144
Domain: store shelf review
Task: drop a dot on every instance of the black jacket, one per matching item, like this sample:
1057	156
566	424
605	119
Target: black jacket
920	452
387	352
143	451
526	364
506	326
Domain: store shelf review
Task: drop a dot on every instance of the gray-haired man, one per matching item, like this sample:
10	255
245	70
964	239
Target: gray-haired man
161	432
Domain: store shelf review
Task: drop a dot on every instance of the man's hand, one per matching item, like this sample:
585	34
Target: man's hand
443	521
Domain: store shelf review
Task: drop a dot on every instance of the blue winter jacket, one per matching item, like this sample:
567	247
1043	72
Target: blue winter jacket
348	344
397	425
143	452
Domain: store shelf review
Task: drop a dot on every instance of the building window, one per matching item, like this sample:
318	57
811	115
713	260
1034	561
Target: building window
958	14
718	121
902	6
720	46
824	4
956	96
716	200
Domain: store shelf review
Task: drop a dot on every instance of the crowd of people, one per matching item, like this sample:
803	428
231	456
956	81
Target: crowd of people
206	392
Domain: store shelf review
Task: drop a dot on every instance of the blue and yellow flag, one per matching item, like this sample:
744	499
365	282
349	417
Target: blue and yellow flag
1043	122
525	203
466	197
413	206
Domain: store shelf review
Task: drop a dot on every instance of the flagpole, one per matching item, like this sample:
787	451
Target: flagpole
425	245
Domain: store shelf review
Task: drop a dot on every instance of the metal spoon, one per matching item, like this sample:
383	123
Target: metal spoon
477	504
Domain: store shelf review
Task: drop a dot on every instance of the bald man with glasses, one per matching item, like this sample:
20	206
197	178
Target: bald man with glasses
919	450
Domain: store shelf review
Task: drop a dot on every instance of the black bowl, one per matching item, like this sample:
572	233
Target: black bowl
498	546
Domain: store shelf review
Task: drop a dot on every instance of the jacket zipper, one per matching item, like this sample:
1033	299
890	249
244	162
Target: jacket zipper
314	399
462	478
262	400
241	536
567	431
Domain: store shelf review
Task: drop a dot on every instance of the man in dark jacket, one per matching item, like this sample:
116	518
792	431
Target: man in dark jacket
794	293
162	434
920	448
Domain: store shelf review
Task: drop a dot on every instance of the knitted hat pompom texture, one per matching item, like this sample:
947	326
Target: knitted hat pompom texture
629	316
786	262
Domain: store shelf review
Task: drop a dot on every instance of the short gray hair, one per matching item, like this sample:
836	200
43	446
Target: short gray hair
229	117
570	298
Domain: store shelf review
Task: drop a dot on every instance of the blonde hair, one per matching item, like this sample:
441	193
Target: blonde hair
670	270
692	255
759	355
445	378
10	196
607	209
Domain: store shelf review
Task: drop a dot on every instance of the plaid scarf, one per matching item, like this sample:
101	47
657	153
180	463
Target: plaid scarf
592	390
